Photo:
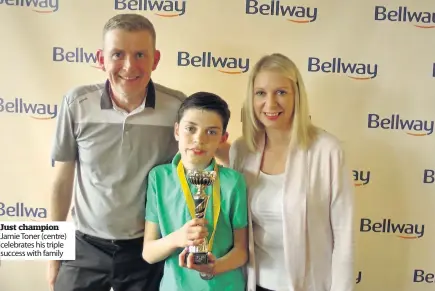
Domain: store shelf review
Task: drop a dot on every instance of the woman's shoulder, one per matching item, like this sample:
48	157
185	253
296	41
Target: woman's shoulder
326	142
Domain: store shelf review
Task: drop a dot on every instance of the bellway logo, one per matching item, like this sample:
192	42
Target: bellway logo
226	65
39	6
78	55
163	8
361	178
420	276
386	226
19	209
35	110
414	127
420	19
293	13
428	176
356	71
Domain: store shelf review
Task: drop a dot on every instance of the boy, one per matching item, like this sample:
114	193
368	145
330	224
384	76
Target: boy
170	226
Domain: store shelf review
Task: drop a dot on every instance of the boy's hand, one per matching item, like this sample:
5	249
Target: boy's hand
207	269
192	233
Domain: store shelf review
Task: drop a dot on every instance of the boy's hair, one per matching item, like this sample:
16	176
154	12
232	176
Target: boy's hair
206	101
130	22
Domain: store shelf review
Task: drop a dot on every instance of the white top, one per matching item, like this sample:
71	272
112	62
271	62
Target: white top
266	207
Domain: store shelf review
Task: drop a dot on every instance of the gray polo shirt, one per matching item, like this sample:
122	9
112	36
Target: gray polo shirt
114	151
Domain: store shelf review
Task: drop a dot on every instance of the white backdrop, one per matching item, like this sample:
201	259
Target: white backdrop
369	67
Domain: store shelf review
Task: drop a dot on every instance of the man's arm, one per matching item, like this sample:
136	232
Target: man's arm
60	202
64	152
61	195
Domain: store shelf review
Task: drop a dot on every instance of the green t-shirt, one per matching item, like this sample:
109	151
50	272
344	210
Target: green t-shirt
166	206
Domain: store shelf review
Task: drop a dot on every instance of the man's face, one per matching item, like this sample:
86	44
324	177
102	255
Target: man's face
199	134
128	58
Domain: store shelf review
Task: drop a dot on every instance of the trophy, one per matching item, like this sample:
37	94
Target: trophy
201	179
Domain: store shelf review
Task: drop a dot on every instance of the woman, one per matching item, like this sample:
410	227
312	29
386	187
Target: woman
300	191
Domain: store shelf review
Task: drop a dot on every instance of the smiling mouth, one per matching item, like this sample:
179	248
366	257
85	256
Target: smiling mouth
129	78
274	114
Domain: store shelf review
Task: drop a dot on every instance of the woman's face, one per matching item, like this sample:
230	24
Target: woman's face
273	100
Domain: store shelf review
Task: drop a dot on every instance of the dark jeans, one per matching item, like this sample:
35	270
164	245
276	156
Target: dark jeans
101	264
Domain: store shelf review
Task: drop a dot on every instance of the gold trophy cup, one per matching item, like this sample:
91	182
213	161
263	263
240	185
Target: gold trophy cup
201	179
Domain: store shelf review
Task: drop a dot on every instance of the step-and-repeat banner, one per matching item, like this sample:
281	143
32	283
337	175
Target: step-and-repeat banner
369	67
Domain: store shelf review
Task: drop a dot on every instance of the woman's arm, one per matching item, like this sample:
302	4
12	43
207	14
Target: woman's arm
342	214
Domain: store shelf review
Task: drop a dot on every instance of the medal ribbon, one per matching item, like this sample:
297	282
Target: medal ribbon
191	203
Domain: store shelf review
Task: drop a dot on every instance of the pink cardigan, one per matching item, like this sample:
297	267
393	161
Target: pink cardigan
317	214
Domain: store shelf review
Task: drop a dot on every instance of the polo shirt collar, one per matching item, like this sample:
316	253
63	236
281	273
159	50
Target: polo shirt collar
150	98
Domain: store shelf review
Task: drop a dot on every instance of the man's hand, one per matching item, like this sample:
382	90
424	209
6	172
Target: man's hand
192	233
207	269
53	270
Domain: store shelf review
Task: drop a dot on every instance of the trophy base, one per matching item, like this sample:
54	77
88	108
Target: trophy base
198	258
205	276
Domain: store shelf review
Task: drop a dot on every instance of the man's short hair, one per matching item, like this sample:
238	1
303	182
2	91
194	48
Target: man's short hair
130	22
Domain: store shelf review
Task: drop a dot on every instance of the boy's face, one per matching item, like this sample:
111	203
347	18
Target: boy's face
199	134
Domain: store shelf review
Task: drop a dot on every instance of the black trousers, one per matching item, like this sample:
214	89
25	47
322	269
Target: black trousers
103	264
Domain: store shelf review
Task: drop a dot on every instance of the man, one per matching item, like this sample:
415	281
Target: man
108	137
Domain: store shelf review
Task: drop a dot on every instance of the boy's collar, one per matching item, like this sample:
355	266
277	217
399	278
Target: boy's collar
177	159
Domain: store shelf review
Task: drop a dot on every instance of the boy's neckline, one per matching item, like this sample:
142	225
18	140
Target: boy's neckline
189	167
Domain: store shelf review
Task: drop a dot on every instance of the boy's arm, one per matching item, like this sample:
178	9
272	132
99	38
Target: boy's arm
156	249
238	255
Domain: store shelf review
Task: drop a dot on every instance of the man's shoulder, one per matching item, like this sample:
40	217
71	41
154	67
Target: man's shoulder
173	93
76	93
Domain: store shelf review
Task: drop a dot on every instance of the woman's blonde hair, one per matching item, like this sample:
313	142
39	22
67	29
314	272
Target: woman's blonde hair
302	131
